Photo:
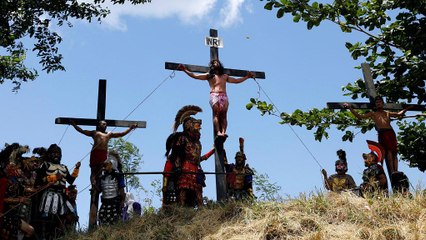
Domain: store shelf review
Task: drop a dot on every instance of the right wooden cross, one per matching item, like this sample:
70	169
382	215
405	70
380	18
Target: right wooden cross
386	134
371	92
219	155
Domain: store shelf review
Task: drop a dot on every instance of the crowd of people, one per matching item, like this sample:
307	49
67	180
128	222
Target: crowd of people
38	197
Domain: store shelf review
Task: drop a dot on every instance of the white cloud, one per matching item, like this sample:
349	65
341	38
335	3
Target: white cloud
231	13
186	11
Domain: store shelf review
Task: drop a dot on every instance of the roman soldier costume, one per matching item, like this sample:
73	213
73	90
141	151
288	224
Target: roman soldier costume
239	177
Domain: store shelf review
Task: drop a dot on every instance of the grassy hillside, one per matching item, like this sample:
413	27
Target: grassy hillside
314	216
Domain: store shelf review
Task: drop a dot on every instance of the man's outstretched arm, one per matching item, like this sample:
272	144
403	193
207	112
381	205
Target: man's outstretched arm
355	113
124	133
203	76
240	80
80	130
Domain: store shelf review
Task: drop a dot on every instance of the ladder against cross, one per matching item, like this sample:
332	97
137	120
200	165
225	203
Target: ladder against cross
219	154
100	114
372	93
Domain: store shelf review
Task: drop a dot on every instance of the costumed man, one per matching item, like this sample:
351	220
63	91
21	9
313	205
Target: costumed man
185	157
374	177
239	176
98	155
111	185
340	181
17	206
386	134
53	176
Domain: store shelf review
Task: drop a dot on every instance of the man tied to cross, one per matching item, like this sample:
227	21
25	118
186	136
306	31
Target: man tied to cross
218	97
387	136
98	155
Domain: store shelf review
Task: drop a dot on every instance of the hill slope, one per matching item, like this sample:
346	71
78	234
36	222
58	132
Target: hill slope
317	216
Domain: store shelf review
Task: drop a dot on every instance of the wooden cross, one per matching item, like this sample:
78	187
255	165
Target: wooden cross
94	195
219	154
371	92
100	114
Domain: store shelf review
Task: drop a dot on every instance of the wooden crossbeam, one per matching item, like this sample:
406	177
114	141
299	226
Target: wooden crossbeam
204	69
372	93
100	114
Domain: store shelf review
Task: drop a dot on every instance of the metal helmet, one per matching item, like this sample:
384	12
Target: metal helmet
240	154
54	149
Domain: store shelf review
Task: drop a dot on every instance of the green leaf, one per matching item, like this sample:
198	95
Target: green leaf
280	13
296	18
310	24
269	5
249	106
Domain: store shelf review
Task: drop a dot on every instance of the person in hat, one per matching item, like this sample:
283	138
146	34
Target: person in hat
183	152
239	176
111	185
340	181
53	176
373	177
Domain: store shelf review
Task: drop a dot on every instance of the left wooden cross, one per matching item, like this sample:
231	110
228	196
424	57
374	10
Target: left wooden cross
94	193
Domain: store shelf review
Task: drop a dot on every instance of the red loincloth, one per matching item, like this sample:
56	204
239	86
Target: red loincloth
97	158
387	138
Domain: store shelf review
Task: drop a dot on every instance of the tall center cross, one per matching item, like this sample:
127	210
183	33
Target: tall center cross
100	114
372	93
219	154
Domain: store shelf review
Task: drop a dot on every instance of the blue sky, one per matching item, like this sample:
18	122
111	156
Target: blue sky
304	69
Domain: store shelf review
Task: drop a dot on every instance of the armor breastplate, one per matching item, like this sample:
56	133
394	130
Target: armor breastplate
239	178
109	187
54	169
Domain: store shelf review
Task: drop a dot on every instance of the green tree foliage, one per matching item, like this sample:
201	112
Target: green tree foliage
395	49
264	190
131	160
23	20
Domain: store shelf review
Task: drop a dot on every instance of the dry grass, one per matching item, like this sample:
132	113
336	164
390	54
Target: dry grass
314	217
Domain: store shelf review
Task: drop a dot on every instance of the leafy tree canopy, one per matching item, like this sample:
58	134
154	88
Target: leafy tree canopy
33	19
395	49
131	159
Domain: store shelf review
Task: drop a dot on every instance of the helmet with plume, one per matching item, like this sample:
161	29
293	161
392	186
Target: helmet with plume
183	117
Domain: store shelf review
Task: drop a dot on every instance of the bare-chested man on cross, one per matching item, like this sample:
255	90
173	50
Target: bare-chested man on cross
387	136
98	155
218	97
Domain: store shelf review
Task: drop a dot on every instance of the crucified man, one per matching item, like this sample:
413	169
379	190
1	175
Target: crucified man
387	136
218	98
98	155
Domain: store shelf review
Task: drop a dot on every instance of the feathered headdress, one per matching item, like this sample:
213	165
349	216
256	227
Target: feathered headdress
377	148
184	113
